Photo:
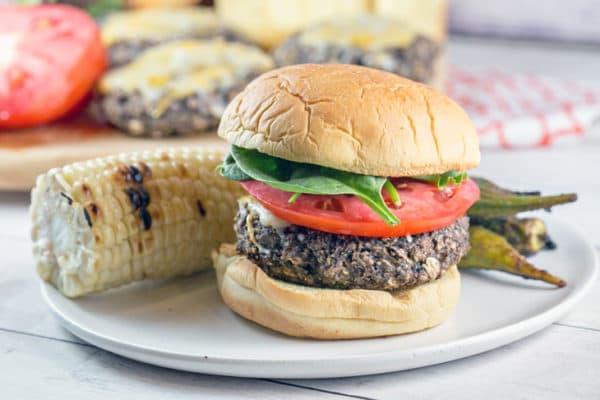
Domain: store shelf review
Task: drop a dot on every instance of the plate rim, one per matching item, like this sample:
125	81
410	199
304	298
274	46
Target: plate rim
479	342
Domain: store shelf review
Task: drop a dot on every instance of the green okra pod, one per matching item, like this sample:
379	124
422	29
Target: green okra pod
488	187
491	251
526	235
495	201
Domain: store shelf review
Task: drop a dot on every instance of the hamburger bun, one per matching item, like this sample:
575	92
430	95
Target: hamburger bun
351	118
319	313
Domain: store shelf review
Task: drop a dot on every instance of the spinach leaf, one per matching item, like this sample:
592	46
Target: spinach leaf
307	178
441	180
230	170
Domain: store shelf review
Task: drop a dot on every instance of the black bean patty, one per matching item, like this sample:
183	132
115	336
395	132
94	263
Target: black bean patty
189	115
313	258
125	51
416	61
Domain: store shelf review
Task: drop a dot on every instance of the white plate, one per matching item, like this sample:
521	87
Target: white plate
182	324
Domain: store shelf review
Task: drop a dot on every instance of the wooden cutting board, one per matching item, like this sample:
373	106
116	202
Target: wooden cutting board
26	153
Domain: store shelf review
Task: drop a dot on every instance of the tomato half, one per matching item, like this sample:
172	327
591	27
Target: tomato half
424	208
50	57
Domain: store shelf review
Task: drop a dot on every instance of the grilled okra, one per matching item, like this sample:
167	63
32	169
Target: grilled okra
491	251
495	201
527	235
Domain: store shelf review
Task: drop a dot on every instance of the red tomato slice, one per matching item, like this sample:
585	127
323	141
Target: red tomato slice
424	208
50	57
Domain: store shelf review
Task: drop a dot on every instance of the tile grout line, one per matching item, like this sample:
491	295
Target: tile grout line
583	328
285	383
278	382
36	335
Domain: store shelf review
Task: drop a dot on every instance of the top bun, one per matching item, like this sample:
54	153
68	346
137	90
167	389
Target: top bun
351	118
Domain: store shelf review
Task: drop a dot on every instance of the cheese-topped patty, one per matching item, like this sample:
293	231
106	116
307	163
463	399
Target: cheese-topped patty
367	40
180	87
157	24
128	33
183	67
366	32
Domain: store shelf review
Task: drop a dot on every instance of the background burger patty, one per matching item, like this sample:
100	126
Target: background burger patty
185	116
416	61
125	51
319	259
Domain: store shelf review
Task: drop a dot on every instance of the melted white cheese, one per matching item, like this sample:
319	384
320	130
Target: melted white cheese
365	32
265	216
181	68
158	24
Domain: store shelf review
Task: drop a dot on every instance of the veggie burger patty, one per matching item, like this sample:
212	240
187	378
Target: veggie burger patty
314	258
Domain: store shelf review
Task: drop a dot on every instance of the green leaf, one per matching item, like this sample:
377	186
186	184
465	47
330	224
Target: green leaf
230	170
100	8
307	179
442	180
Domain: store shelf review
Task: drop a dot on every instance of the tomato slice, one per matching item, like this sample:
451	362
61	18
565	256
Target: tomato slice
424	208
50	57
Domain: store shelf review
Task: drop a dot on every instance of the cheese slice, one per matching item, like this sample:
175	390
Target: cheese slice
426	16
266	217
158	24
270	22
181	68
367	32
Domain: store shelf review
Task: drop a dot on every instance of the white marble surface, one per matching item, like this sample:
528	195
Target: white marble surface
40	360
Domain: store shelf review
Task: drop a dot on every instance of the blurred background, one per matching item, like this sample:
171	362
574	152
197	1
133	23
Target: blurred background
577	21
525	71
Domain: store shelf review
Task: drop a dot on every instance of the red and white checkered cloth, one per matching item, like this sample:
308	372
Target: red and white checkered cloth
524	110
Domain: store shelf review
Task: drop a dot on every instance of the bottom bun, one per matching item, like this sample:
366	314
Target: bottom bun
330	313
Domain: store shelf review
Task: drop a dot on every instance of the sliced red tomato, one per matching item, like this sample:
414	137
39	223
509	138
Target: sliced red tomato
50	57
424	208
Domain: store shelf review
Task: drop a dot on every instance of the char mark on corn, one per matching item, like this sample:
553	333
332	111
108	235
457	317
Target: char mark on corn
201	209
69	200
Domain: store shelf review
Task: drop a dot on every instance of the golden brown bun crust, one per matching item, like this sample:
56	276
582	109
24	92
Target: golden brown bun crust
352	118
327	313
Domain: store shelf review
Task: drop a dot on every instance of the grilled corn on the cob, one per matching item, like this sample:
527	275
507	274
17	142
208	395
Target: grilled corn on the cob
107	222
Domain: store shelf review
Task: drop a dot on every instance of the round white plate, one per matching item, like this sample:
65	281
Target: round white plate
183	324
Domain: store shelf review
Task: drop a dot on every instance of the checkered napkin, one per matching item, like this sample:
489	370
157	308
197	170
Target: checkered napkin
524	110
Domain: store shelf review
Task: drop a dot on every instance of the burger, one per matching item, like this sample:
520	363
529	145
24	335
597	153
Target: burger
354	220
